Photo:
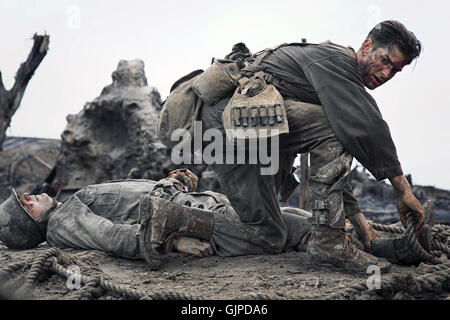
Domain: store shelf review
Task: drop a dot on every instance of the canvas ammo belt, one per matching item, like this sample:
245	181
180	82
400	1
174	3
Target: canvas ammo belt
255	66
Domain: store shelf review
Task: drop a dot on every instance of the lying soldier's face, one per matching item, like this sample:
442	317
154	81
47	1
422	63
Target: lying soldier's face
36	205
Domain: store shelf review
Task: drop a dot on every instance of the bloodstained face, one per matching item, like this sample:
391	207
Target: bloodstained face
36	204
379	65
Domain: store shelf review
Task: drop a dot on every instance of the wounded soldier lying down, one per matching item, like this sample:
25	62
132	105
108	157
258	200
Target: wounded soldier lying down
144	219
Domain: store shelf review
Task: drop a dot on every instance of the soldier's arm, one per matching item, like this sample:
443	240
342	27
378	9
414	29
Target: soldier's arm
74	225
407	202
354	115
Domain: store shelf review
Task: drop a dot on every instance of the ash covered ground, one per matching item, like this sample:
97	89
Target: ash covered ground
282	276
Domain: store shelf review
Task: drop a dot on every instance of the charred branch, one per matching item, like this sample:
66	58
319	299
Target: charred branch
10	99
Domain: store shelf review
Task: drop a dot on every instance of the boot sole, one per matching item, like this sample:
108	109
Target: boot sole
152	257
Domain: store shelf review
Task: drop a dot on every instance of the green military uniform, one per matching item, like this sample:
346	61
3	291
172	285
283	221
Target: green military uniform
341	121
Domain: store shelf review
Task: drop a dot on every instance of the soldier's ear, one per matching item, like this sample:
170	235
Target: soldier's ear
367	46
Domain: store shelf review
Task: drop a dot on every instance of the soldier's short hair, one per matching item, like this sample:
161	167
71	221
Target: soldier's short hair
390	32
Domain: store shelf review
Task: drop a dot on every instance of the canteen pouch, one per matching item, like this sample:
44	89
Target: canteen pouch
256	110
180	110
218	80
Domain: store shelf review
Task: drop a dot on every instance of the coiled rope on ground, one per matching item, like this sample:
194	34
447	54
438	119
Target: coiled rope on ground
416	247
108	286
429	282
38	265
439	245
94	287
432	281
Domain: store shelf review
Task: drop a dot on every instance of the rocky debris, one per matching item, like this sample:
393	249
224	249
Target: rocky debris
114	136
26	162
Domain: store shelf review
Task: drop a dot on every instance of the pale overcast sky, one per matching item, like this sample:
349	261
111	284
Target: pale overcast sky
88	38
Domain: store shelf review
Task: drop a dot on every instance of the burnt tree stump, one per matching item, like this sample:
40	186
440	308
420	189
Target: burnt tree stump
10	99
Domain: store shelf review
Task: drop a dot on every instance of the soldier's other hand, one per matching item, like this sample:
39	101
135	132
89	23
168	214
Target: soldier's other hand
193	246
408	203
367	238
187	177
364	230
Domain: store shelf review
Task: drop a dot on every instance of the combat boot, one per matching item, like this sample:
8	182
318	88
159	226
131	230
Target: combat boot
162	221
335	247
399	250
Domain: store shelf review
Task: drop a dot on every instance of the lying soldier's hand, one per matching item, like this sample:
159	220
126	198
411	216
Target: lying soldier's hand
187	177
193	246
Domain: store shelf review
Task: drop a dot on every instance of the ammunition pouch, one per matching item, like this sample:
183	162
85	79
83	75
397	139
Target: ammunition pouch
256	110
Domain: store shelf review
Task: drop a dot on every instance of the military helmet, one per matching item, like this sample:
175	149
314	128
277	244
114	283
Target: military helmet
18	229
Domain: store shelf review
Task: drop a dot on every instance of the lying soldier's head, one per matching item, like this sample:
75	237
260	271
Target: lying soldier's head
389	46
23	221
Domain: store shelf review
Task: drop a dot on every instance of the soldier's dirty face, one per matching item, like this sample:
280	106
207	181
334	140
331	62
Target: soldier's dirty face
36	205
379	65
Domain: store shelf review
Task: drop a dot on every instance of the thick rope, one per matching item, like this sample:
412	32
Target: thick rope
38	265
416	247
94	287
439	230
428	282
121	290
91	289
439	246
387	228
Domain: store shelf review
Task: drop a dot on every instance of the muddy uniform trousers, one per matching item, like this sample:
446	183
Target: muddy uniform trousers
254	196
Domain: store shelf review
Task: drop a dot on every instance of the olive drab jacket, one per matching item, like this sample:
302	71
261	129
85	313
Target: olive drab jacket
101	217
328	74
106	216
